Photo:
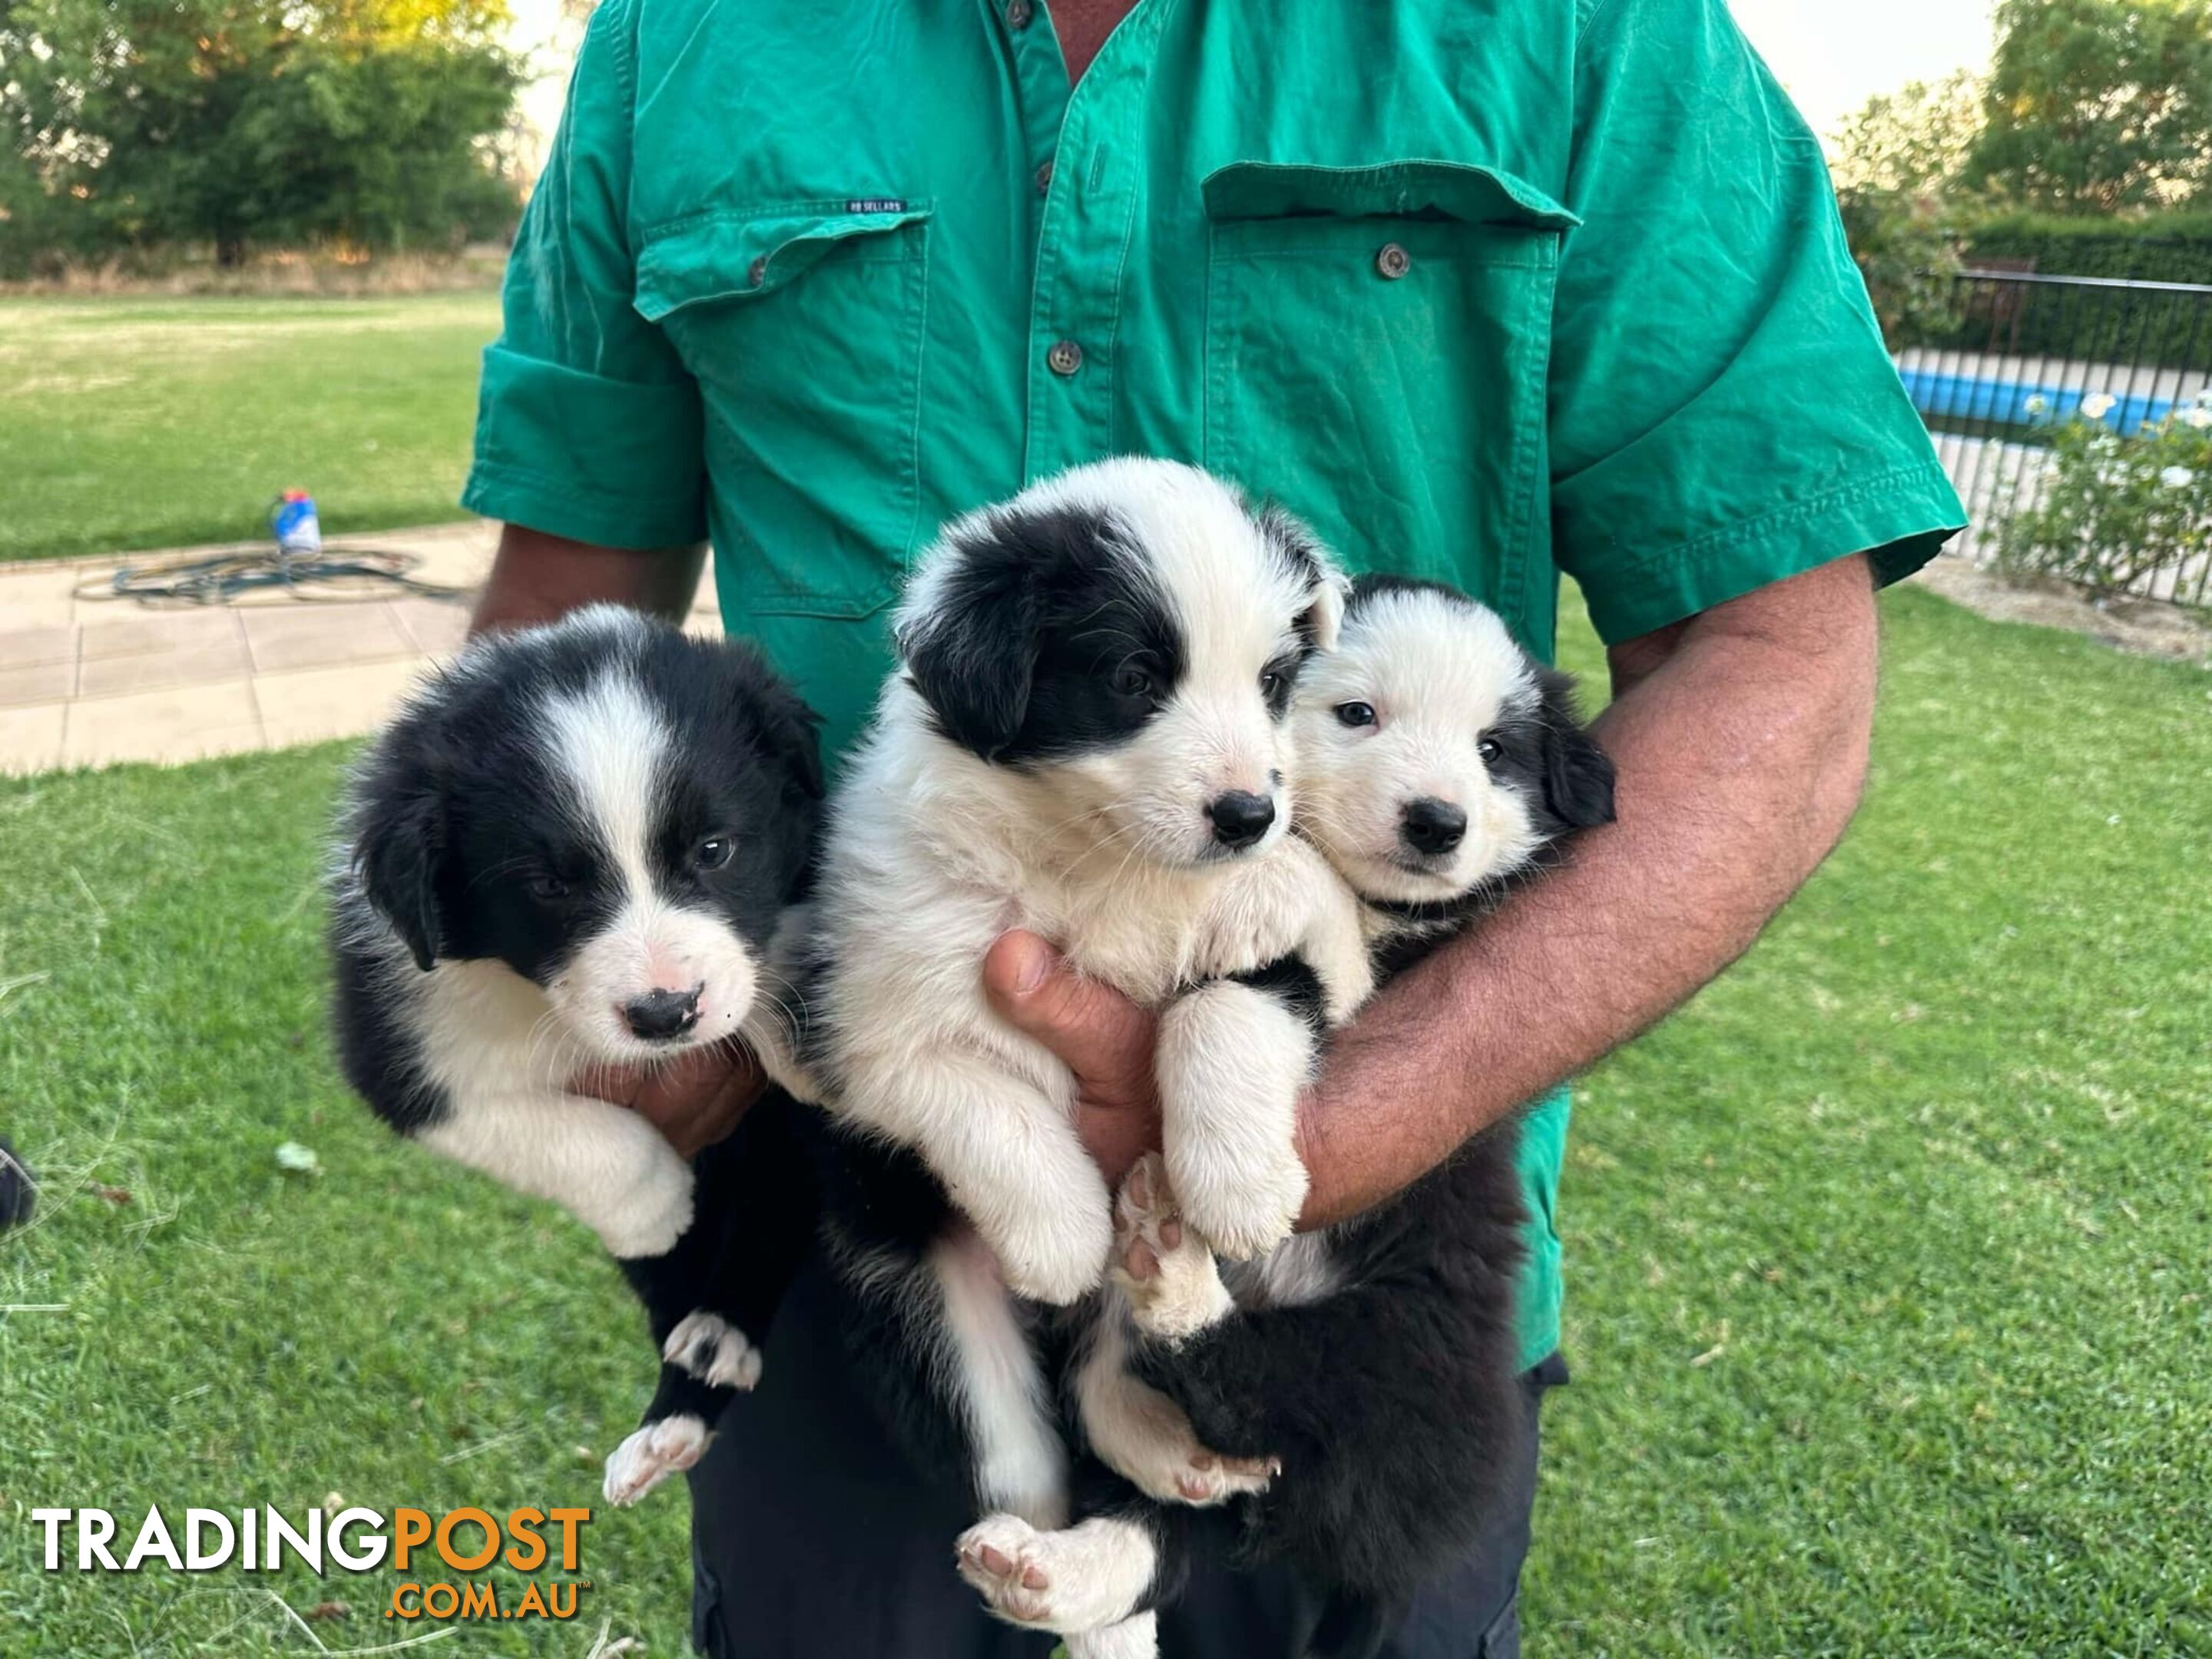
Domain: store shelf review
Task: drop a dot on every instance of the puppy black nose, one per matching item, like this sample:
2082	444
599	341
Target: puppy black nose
660	1015
1433	826
1240	819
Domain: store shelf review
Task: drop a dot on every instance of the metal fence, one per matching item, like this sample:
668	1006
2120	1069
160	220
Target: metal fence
2020	352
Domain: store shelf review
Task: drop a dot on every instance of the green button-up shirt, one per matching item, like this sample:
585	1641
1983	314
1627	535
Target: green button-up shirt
1485	290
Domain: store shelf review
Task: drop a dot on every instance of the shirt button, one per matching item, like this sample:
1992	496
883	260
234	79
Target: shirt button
1065	358
1018	14
1393	261
1044	179
757	272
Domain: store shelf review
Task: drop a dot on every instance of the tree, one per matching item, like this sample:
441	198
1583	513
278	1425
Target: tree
1896	164
1911	142
2096	105
135	122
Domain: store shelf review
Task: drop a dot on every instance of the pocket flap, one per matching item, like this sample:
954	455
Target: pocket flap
1465	190
741	255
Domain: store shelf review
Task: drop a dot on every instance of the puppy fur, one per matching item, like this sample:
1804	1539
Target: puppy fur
1088	738
573	849
1361	1382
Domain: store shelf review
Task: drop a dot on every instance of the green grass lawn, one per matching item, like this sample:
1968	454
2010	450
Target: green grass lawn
130	423
1887	1298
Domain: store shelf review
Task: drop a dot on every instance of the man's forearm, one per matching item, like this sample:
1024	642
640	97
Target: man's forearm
537	578
1740	742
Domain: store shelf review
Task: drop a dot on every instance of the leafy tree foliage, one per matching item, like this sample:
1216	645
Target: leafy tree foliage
2096	105
1895	163
135	122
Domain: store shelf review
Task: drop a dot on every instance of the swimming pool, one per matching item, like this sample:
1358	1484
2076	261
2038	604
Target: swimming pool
1967	397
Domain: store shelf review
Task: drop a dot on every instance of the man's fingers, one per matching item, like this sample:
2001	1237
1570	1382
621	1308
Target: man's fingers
1105	1038
695	1100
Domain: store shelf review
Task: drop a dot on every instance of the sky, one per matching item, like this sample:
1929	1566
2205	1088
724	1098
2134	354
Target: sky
1833	55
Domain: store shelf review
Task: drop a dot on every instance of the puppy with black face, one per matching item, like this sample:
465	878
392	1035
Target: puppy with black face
573	849
1088	737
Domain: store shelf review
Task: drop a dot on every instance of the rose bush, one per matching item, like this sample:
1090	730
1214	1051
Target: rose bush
2114	513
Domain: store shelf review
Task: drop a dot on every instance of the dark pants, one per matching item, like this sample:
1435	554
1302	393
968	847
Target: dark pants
813	1538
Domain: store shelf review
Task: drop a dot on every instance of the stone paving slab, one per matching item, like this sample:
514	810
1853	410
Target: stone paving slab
91	680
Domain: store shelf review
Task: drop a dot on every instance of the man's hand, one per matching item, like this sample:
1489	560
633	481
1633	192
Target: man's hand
694	1099
1103	1038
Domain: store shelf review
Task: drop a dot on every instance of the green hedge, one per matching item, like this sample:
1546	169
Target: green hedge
2169	331
2170	247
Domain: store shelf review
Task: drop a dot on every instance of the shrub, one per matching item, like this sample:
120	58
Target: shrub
2160	247
2109	513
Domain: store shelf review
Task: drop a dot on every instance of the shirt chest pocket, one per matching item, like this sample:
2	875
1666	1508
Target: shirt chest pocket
1381	333
803	325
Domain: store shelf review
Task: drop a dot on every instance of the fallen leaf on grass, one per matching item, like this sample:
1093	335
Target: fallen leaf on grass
113	1195
326	1610
1717	1350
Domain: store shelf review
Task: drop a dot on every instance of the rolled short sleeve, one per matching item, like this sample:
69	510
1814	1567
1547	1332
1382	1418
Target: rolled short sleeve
1723	411
587	424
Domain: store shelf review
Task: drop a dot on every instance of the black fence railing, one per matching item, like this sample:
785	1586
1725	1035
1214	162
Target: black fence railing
2018	359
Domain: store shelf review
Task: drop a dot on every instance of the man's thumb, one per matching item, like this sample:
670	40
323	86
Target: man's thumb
1098	1032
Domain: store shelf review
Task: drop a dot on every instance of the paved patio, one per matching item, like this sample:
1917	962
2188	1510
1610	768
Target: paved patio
94	681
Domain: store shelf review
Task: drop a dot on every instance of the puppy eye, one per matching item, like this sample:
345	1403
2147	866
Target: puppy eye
1270	682
713	853
549	888
1356	713
1132	681
1489	748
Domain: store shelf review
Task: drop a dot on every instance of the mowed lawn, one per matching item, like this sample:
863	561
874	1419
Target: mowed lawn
128	423
1888	1302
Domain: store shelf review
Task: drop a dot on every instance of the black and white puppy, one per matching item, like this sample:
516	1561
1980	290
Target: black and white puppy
1377	1360
574	848
1088	737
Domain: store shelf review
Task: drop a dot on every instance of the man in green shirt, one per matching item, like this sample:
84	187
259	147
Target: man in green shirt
1487	290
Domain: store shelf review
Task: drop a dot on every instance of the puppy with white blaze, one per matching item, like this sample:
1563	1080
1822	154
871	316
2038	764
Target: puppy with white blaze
1088	737
574	848
1375	1361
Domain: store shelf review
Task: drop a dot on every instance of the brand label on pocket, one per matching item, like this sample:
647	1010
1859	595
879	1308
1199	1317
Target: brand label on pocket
876	204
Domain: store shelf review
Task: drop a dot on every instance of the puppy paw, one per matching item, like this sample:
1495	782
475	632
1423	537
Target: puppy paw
1060	1263
1145	1438
644	1214
652	1454
1243	1207
713	1350
1080	1578
1232	1063
1161	1265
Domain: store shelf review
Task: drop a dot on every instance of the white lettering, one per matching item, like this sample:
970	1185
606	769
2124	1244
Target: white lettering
197	1556
279	1533
154	1540
372	1554
52	1521
93	1530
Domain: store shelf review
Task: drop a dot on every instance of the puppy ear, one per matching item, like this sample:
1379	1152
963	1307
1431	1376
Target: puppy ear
970	639
792	733
1323	621
1578	772
399	852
